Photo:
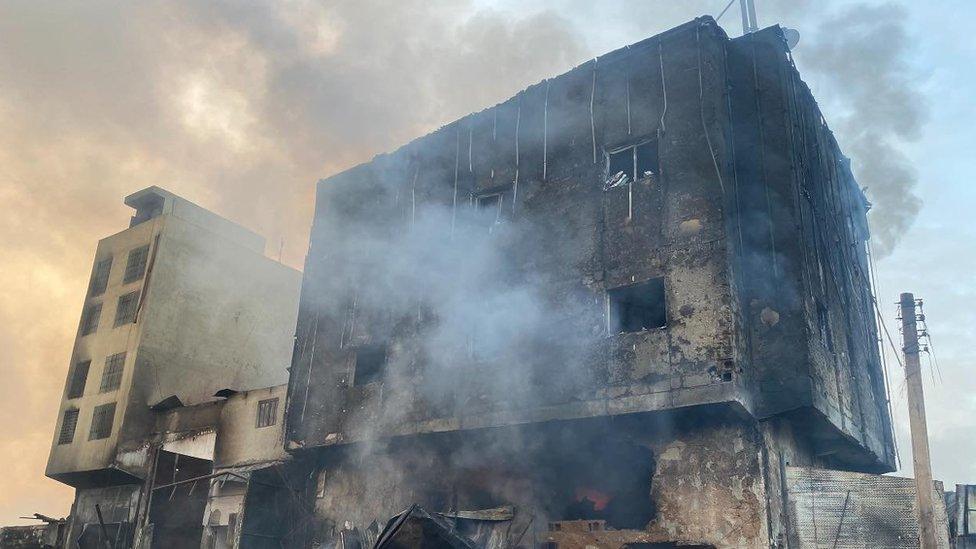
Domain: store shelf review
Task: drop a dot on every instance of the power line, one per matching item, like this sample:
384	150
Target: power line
727	6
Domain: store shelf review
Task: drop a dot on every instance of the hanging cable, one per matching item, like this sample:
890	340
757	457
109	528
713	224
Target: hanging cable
727	6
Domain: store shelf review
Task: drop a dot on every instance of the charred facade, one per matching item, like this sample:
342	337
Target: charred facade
630	295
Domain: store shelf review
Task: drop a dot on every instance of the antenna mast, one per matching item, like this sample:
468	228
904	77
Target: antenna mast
750	22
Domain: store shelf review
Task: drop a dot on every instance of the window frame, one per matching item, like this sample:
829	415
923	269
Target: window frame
632	147
100	276
267	413
90	318
141	255
130	313
112	379
77	384
64	436
101	428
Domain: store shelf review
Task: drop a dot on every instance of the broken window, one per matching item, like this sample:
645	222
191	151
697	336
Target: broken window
267	412
102	419
112	373
135	266
89	319
489	208
99	279
638	307
79	378
632	163
68	424
369	364
125	312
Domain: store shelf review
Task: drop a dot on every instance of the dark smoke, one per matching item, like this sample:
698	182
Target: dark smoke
860	57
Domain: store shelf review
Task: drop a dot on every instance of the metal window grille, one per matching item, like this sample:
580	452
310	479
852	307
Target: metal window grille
267	412
89	320
102	419
100	277
68	424
79	378
112	374
125	313
135	266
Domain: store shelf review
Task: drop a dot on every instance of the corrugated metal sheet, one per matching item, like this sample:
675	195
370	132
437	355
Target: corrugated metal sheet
839	510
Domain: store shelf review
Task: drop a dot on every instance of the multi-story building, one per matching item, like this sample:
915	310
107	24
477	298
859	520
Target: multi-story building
632	294
181	304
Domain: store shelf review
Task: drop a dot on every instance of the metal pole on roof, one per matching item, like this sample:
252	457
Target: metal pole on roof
753	18
750	22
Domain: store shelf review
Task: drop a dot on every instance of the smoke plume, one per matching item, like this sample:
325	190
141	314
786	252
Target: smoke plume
874	102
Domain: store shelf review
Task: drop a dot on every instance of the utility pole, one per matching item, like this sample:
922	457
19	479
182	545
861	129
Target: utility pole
916	414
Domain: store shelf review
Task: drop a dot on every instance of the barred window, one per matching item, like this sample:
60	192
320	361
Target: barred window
79	378
125	312
112	373
68	424
267	412
99	279
135	266
102	419
89	319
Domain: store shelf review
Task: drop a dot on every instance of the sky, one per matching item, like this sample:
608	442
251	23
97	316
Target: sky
242	106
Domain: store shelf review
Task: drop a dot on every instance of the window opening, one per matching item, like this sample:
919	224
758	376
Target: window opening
89	319
135	266
369	364
68	425
100	277
125	312
79	378
112	373
638	307
102	419
267	412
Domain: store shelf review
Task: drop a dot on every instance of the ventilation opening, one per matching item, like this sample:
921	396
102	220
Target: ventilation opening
638	307
369	364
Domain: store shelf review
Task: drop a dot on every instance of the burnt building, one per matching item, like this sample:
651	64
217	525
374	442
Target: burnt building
618	304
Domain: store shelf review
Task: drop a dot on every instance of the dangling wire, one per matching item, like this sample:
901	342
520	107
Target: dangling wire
727	6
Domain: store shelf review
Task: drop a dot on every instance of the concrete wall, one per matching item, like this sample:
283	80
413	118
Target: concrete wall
90	455
214	314
742	222
239	441
219	316
808	329
118	504
562	241
694	478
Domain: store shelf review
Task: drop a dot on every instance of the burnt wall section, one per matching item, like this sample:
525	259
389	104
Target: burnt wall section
806	298
669	225
118	505
636	476
481	258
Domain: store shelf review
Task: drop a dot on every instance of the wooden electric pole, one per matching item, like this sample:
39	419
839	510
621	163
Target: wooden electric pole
924	487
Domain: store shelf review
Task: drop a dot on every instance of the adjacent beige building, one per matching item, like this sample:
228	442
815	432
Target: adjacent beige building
181	304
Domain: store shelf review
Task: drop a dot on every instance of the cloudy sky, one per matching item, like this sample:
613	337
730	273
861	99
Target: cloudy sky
242	106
